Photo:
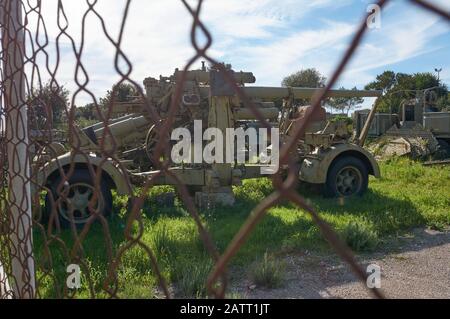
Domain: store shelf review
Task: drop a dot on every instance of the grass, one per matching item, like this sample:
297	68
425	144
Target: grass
360	236
268	272
408	195
192	279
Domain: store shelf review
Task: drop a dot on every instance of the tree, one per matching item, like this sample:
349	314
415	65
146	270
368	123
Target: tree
86	115
87	112
385	81
400	86
122	93
47	106
345	104
307	78
443	103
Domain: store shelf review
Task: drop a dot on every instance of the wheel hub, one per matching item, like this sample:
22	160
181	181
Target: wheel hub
79	204
348	181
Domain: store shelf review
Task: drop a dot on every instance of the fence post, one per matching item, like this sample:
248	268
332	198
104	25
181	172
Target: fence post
19	183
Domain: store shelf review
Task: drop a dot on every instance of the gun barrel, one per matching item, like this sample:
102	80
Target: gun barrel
125	131
304	93
204	76
270	113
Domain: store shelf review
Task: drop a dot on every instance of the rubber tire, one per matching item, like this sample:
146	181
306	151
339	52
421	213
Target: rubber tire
444	148
337	166
79	176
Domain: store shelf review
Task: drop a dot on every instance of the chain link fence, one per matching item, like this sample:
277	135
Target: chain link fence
38	186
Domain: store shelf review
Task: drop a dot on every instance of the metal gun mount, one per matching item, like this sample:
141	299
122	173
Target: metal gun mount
207	96
200	88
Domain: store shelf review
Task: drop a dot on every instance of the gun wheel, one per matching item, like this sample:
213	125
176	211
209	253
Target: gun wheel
152	141
348	176
75	202
79	203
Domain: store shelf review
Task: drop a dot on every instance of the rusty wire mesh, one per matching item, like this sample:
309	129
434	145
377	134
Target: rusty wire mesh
36	41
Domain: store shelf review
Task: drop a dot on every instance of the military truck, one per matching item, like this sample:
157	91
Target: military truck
418	117
325	154
421	111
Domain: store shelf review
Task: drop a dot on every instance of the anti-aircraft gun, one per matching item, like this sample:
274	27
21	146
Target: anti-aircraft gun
325	153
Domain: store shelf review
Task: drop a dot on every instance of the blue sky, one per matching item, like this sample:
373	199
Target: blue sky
271	38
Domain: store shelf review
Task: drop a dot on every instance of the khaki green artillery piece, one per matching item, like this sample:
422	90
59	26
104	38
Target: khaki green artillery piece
325	153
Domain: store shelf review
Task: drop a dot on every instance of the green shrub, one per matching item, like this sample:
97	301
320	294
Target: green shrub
437	225
338	118
254	190
360	236
269	272
192	281
162	242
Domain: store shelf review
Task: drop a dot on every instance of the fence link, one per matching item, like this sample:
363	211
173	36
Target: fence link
34	240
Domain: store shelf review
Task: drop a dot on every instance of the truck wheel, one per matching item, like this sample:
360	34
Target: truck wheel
348	176
77	205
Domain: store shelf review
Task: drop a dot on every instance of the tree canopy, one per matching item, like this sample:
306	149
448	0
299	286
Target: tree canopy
122	92
400	86
309	78
306	78
88	114
345	104
47	106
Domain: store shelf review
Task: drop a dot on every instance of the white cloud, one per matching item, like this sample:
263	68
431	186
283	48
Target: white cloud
258	36
400	41
272	61
445	75
156	38
408	35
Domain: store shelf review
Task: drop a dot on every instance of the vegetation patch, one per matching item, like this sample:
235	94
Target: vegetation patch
360	236
268	272
408	195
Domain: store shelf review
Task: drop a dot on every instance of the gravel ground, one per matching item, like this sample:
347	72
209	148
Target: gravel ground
412	266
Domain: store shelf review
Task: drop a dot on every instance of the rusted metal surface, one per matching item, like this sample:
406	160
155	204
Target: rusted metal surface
285	188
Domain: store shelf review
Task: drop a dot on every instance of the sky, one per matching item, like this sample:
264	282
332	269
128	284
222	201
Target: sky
271	38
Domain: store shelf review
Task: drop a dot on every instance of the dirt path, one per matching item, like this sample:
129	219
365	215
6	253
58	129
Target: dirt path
413	266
